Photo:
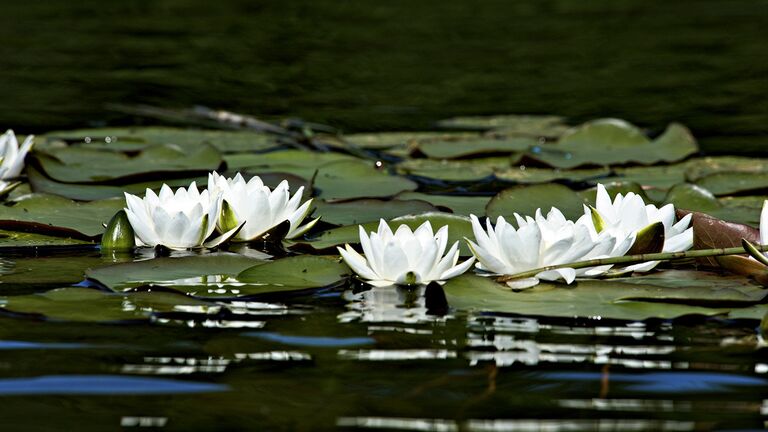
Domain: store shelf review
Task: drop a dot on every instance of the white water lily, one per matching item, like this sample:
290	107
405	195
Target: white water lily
260	208
405	257
180	220
11	155
539	242
628	214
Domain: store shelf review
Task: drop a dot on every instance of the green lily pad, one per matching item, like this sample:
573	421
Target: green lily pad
387	140
457	148
295	273
533	125
454	170
612	141
298	162
357	179
666	295
663	176
23	273
525	200
89	192
86	165
459	227
192	274
53	215
461	205
726	183
90	305
28	239
529	175
368	210
137	138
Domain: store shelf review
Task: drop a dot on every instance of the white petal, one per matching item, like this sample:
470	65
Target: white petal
357	263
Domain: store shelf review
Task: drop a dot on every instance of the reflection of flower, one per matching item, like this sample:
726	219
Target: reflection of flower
12	156
260	208
628	214
539	242
405	257
764	225
178	221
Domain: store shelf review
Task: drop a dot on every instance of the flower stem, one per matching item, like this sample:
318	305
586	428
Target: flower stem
634	259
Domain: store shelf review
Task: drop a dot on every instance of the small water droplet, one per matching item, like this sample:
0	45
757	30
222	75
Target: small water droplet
379	164
536	149
522	167
569	156
87	140
107	140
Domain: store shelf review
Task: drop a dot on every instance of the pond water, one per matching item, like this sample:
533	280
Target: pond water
351	357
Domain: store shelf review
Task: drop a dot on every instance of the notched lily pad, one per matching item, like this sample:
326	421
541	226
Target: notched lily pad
458	148
356	179
532	125
458	204
616	142
454	170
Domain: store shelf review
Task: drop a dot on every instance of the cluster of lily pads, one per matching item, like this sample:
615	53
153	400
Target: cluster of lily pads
512	195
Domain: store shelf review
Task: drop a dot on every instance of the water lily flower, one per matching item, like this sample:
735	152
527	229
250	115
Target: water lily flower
11	156
405	257
180	220
628	214
260	208
539	242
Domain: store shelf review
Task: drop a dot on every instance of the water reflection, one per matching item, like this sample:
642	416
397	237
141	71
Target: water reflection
407	305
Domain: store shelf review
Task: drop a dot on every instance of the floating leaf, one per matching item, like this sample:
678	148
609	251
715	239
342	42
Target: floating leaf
137	138
525	200
711	233
612	141
296	162
85	165
53	215
461	205
368	210
387	140
356	179
90	305
532	125
454	170
18	239
667	295
186	273
457	148
524	174
295	273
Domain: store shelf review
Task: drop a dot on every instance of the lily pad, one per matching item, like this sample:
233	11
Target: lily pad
612	141
90	305
356	179
53	215
459	227
85	165
727	183
533	125
187	273
15	239
368	210
387	140
461	205
662	176
295	273
665	296
454	170
131	139
297	162
525	200
457	148
23	273
530	175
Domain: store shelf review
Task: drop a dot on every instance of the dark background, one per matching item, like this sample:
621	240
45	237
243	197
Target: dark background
373	65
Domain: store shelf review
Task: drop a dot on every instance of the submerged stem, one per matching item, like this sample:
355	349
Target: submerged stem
634	259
